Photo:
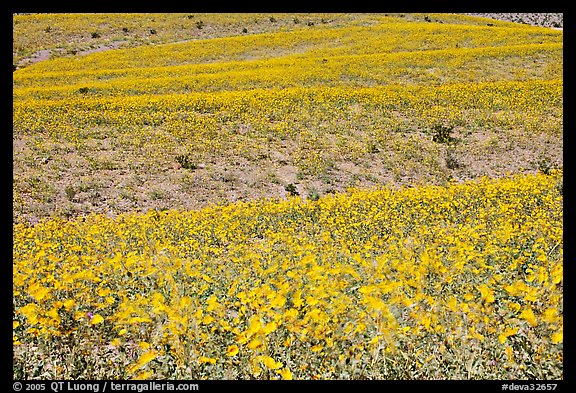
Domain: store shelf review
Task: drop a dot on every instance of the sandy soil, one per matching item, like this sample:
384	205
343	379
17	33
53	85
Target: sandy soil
46	53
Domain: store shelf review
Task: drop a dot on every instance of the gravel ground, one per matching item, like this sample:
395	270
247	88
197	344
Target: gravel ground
538	19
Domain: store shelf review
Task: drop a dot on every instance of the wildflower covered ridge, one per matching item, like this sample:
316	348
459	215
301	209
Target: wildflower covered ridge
463	281
316	108
287	196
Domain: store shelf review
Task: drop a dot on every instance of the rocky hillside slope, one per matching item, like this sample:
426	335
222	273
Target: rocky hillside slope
537	19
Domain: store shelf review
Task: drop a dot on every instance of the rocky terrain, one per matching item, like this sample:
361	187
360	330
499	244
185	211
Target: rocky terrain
538	19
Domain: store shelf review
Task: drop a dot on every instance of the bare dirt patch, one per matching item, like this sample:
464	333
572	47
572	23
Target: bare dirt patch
100	181
46	54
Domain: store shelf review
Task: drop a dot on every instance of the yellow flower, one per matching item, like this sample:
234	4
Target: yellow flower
509	354
426	320
486	293
270	327
185	302
514	306
270	362
256	343
38	291
290	314
376	303
256	369
549	315
142	361
279	301
557	337
232	350
30	311
143	345
96	319
207	278
557	273
207	320
69	303
205	359
529	316
241	338
134	320
360	327
286	374
507	333
255	325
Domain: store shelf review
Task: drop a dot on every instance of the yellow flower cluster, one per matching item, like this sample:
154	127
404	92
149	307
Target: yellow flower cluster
419	67
216	118
349	286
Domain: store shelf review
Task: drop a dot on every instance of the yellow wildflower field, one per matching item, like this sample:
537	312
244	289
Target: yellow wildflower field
231	116
287	196
463	281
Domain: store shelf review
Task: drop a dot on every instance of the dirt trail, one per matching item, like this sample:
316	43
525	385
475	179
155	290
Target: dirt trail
45	54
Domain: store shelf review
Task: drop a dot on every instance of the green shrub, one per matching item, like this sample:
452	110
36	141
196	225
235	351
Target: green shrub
291	189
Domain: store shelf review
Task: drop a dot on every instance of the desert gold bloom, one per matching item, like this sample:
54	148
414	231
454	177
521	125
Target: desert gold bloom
30	311
206	359
142	361
557	337
270	362
285	373
507	333
96	319
486	293
232	350
529	316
